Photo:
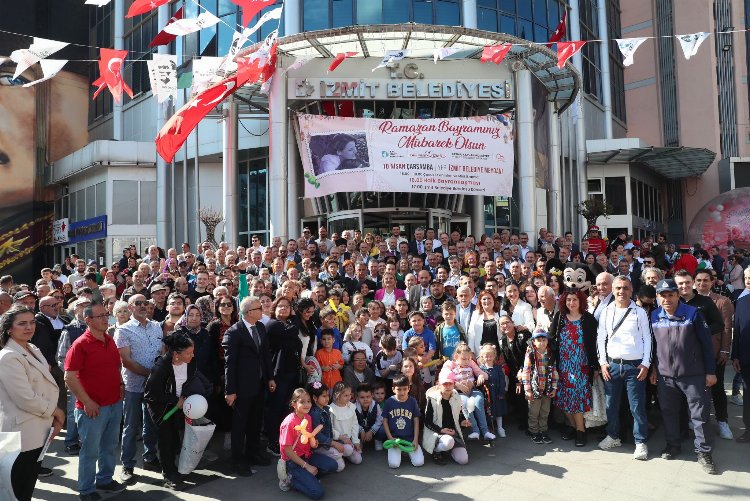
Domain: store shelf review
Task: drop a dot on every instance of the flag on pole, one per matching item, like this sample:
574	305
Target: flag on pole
163	38
391	56
50	68
691	42
561	31
340	59
162	72
251	7
495	53
628	46
566	50
186	26
110	73
39	49
143	6
442	53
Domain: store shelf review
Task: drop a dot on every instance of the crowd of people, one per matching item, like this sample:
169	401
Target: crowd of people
324	349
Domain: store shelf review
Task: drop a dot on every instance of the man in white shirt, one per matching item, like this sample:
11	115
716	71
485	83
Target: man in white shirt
604	294
624	347
78	275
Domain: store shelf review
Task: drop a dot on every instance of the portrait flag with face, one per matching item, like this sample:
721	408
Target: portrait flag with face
251	7
162	72
628	46
566	50
691	43
163	38
39	49
143	6
111	62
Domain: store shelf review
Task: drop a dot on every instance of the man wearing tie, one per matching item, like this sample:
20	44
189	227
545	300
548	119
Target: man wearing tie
247	368
417	246
417	292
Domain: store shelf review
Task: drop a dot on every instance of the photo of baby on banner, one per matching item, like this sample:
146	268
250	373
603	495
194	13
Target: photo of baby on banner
333	152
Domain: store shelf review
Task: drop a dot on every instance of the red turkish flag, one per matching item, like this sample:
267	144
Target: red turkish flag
177	129
561	30
340	59
566	50
251	7
495	53
163	38
143	6
111	62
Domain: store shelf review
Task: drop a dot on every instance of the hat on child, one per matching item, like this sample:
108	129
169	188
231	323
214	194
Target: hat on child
539	333
446	376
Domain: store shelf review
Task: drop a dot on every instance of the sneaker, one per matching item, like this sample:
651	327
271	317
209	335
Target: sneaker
126	476
473	436
501	432
285	485
707	462
113	486
610	443
274	449
152	465
670	452
44	472
546	438
378	445
537	438
73	450
174	484
641	452
91	496
489	436
724	431
568	433
736	399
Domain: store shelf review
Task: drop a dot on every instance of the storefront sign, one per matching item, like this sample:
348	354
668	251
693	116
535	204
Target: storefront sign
88	229
60	231
471	156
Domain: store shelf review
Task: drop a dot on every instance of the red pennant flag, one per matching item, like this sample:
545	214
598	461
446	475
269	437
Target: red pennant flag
143	6
561	30
269	68
495	53
163	38
566	50
251	7
177	129
340	59
110	73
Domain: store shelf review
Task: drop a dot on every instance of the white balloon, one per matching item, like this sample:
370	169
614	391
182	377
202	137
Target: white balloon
719	208
195	406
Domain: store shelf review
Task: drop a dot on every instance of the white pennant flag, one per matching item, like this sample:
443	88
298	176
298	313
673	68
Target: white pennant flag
50	68
162	72
443	52
628	46
98	3
300	62
265	89
40	48
206	72
391	56
186	26
691	42
271	14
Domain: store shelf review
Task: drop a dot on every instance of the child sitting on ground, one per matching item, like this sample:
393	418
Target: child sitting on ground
496	382
321	415
369	416
345	424
442	421
331	360
401	420
539	377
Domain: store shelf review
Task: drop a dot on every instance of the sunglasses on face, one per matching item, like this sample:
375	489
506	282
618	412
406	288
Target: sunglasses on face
140	303
225	305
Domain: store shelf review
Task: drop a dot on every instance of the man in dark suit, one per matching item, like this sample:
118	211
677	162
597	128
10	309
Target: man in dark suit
247	370
741	354
416	292
416	247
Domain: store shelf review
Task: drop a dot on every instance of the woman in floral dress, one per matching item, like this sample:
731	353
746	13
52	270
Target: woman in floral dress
573	332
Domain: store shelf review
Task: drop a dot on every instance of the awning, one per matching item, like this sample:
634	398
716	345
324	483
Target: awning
670	162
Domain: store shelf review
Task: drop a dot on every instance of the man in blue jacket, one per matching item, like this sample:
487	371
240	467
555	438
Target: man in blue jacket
684	365
741	354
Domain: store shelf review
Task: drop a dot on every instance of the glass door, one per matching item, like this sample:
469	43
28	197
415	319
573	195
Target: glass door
440	220
345	220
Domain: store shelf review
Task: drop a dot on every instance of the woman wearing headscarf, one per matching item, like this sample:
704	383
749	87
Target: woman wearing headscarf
206	305
191	326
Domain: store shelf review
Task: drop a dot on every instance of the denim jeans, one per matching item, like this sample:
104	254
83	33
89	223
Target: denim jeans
626	375
304	481
99	437
478	418
71	428
136	418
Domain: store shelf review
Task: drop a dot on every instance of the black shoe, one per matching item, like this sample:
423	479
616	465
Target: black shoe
670	452
153	465
537	438
113	486
174	484
439	458
707	462
44	472
568	433
242	470
744	438
73	450
91	496
546	438
127	476
260	459
274	449
580	438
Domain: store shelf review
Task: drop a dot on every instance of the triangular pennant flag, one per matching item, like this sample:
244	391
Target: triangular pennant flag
299	62
628	46
183	27
111	62
443	52
206	73
251	7
98	3
691	42
164	38
391	56
495	53
177	129
143	6
50	68
561	31
566	50
340	59
39	49
271	14
162	72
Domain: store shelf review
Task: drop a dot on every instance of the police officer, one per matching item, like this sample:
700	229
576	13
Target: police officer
680	332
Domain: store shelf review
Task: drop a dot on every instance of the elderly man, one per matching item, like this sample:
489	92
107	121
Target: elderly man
547	307
139	342
603	294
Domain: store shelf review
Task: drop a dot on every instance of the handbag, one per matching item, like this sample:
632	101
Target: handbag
597	416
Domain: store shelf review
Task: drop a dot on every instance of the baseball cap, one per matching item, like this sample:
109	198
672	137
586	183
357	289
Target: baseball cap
666	285
539	333
22	294
157	287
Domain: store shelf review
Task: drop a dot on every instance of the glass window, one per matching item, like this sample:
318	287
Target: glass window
508	5
101	199
634	196
508	25
148	202
342	13
540	11
72	215
422	12
90	202
614	193
369	11
487	20
394	12
315	15
124	197
525	29
81	205
540	33
447	12
525	9
487	3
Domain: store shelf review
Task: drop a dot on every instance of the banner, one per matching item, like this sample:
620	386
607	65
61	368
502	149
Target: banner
60	231
162	72
472	156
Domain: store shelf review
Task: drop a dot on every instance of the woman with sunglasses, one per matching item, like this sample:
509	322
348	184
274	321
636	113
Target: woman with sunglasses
226	316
